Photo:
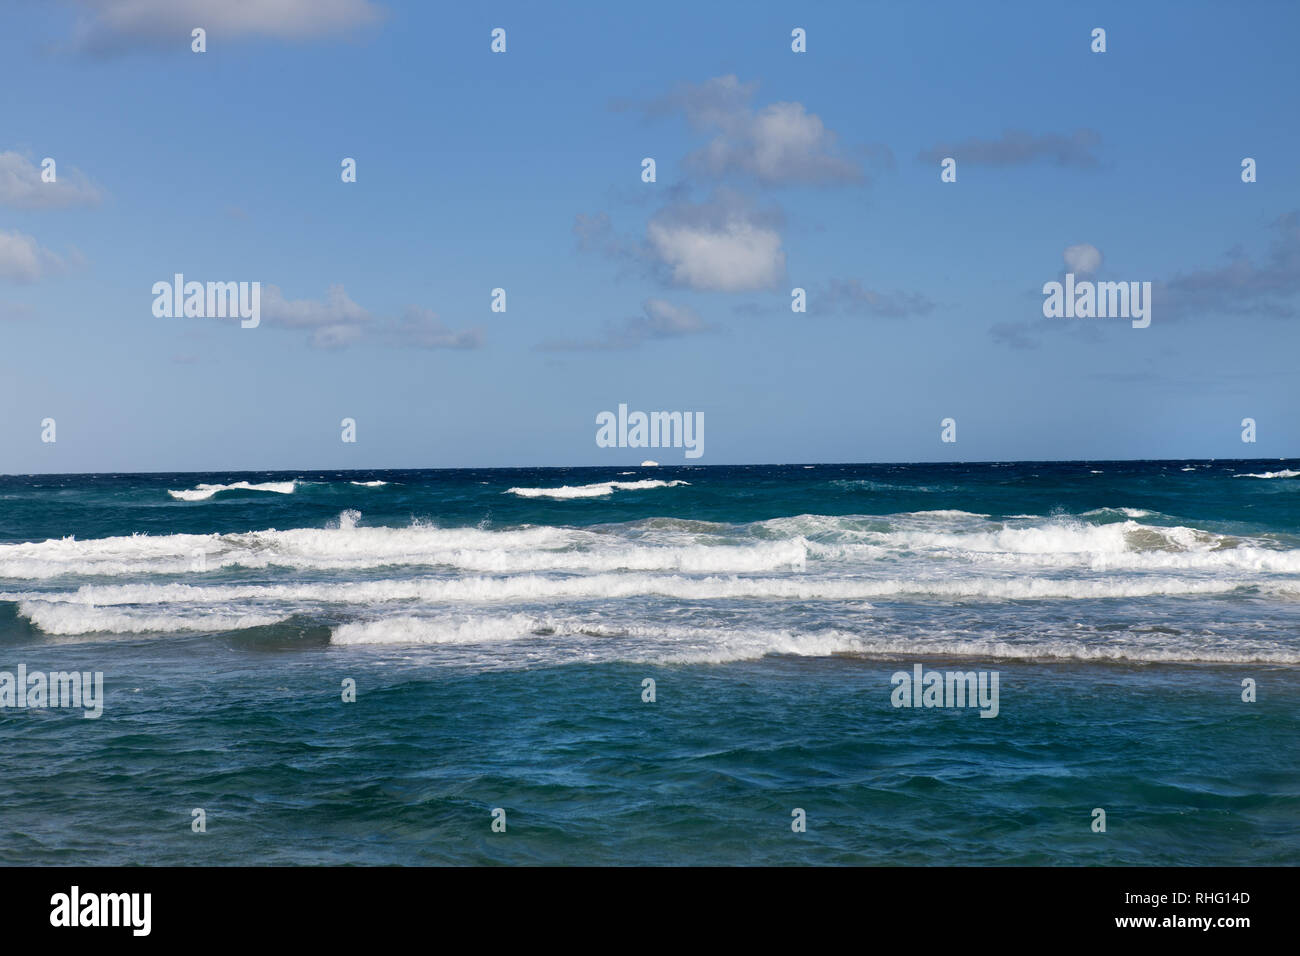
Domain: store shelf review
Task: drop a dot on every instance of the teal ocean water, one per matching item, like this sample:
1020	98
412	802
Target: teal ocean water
500	627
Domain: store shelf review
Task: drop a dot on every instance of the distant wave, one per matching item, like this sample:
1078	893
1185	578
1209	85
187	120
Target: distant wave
369	484
1285	473
203	492
598	490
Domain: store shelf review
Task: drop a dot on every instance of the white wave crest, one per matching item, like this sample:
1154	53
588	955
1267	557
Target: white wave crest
203	492
349	547
66	619
558	639
598	490
595	587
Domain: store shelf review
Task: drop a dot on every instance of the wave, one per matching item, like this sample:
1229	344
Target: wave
1284	473
203	492
597	490
880	545
1126	512
515	637
1055	543
551	638
348	547
68	619
425	630
945	513
578	639
369	484
597	587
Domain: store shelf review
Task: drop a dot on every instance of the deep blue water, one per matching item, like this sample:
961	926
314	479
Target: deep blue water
499	626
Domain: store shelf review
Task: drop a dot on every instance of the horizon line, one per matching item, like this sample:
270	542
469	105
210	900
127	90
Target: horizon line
793	464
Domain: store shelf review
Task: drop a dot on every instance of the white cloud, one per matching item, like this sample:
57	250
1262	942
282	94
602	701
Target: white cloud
23	259
334	321
337	308
664	320
1082	258
782	143
21	185
721	246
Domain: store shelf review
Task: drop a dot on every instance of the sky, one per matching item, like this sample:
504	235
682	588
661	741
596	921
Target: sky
522	170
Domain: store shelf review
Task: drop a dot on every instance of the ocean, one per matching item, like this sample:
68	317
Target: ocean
671	665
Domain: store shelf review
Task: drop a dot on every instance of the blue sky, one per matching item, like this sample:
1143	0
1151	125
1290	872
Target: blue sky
522	171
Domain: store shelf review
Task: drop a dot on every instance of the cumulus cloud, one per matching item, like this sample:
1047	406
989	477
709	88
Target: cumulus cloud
1017	147
779	144
1082	258
111	26
21	185
659	320
333	321
23	259
722	245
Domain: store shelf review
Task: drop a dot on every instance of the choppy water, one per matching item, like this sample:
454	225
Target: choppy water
499	625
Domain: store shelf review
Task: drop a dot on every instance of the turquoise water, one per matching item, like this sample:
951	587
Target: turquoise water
499	625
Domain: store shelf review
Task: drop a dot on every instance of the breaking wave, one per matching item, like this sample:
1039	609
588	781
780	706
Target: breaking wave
597	490
204	492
